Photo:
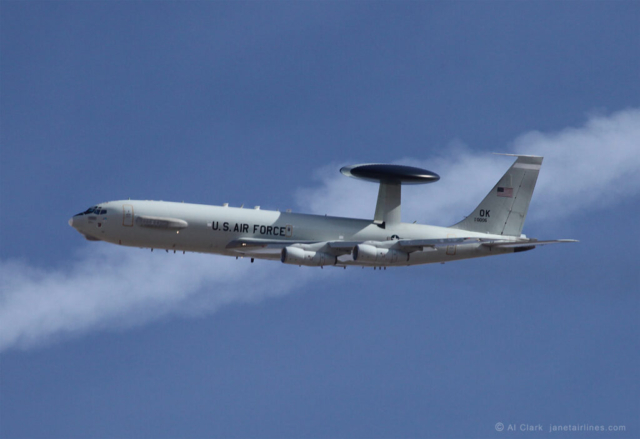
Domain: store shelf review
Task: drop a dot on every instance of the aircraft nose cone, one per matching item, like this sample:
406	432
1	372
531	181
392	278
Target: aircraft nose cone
71	222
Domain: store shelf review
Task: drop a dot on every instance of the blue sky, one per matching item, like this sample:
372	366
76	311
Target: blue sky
260	103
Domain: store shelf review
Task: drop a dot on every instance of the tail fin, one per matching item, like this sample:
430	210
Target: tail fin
504	209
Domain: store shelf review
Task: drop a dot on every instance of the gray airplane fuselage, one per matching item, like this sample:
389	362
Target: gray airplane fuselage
494	227
210	229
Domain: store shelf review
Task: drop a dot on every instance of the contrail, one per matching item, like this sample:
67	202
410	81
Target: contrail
114	287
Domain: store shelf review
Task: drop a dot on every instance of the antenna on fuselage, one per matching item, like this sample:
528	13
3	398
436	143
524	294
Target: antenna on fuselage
391	179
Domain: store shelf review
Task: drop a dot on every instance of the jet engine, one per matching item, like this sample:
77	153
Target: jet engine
298	256
375	255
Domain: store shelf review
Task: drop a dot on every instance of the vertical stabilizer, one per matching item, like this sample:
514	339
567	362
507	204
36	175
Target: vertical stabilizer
504	209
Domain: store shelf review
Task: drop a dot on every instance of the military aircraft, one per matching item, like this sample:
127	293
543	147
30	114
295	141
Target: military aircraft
493	228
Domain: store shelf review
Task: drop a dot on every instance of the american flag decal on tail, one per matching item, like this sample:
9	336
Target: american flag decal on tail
505	192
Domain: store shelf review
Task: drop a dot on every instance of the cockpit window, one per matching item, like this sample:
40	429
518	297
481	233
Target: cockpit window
95	210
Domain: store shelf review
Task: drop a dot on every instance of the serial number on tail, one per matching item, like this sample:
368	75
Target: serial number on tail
484	214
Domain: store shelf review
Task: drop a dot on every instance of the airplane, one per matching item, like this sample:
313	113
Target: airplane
494	227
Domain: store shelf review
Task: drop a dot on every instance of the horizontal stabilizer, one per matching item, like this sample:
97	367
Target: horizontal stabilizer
516	155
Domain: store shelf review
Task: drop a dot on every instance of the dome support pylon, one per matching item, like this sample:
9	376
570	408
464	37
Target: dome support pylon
388	207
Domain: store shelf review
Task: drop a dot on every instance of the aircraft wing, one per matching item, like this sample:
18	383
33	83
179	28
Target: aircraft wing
343	245
412	245
433	243
262	243
273	247
530	243
258	246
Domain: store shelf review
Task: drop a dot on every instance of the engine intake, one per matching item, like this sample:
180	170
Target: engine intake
298	256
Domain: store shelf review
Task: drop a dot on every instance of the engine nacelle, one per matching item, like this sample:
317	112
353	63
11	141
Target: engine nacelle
298	256
375	255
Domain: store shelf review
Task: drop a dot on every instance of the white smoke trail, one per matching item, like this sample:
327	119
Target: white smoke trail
109	286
